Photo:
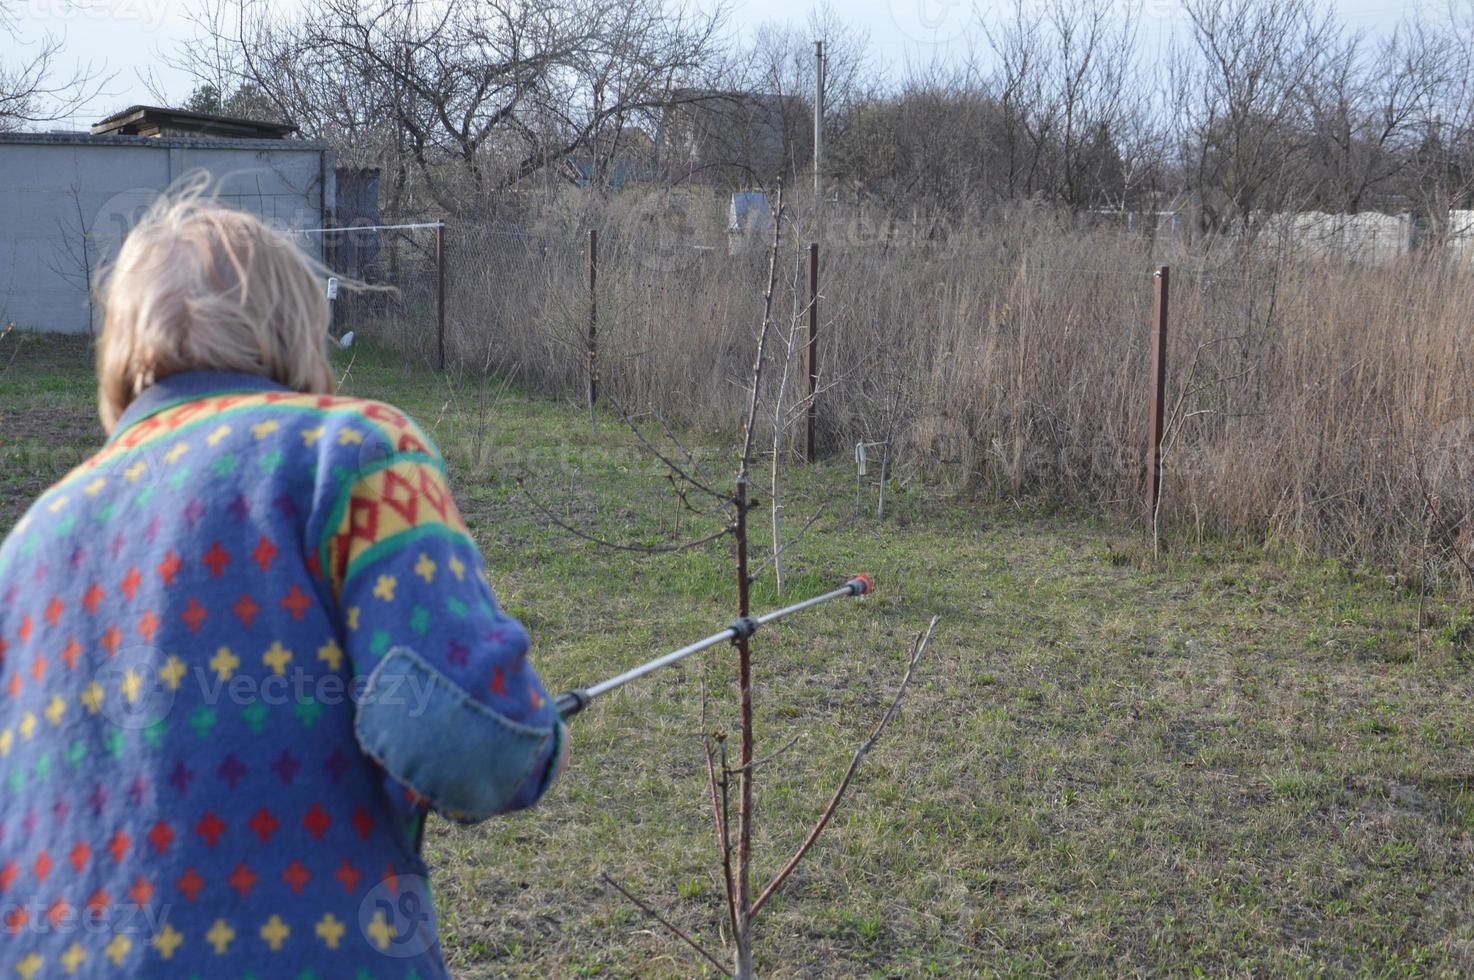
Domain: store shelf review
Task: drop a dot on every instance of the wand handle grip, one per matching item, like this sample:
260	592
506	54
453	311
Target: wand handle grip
570	703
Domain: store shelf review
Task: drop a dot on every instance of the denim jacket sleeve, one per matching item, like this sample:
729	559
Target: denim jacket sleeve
450	706
466	759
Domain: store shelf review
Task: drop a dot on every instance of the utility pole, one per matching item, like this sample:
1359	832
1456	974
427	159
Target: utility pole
818	138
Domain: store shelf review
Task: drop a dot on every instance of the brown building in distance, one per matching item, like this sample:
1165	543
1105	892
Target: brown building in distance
147	120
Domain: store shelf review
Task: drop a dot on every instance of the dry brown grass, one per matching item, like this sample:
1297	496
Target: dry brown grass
1313	401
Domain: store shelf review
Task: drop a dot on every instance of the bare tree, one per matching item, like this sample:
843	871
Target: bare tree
1441	169
780	63
34	87
74	258
931	145
1365	108
1236	90
1063	81
466	98
731	782
1053	108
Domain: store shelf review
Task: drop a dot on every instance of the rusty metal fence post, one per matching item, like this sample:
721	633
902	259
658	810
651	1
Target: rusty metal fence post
593	366
813	352
440	294
1158	395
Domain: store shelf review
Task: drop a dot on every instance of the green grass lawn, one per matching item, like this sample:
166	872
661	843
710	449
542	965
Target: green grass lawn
1217	764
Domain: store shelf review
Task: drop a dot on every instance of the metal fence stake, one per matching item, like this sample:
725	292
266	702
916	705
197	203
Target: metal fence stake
440	293
1158	395
593	366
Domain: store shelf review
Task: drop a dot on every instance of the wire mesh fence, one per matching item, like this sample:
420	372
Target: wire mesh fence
387	281
1304	393
513	304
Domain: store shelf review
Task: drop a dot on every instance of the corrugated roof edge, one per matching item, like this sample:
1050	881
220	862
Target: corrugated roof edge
162	142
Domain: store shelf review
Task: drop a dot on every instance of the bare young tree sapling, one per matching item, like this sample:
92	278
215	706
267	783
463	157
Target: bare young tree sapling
732	785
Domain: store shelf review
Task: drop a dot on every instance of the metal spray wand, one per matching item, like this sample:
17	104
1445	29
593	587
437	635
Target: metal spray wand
572	702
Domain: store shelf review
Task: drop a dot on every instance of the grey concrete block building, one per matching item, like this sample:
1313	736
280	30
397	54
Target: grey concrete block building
68	199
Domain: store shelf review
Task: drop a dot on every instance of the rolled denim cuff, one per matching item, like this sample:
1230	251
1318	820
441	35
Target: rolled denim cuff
465	759
540	779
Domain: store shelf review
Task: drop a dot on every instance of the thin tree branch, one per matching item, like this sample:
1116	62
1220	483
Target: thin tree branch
640	549
719	808
674	929
750	427
917	649
791	542
670	464
771	755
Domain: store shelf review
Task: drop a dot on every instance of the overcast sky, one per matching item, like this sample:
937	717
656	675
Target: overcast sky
125	38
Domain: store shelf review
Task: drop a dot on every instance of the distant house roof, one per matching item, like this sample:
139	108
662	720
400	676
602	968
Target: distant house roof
617	173
146	120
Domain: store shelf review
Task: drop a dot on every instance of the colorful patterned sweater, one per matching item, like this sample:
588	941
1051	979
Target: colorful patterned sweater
242	650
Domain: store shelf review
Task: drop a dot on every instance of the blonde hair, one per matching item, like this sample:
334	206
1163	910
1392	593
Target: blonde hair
200	287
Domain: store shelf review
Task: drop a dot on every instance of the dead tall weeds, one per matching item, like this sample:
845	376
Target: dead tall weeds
1315	403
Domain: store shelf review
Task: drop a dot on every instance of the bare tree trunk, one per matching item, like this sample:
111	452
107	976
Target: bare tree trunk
780	426
742	941
777	511
742	911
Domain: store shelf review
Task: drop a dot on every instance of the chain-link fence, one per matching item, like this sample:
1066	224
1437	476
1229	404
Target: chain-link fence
1302	393
386	280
